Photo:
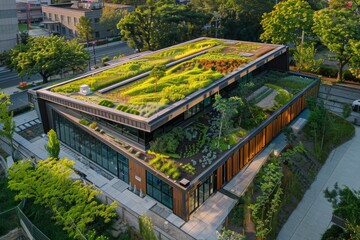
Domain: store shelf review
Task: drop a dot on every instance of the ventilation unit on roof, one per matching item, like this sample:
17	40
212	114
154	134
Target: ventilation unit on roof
85	90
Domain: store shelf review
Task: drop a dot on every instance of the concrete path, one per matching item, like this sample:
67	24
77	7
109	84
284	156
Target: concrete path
313	215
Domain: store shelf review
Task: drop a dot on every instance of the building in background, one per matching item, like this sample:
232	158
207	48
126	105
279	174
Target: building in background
62	18
8	25
29	11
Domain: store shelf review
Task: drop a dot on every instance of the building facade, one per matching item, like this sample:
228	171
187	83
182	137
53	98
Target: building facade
126	131
63	18
8	25
29	11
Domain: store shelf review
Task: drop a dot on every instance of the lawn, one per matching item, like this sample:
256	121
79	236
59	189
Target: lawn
22	27
136	67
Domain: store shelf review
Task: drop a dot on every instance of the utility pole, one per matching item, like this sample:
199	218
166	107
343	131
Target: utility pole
28	11
93	45
217	19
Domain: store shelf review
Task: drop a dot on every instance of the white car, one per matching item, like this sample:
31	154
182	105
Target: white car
356	105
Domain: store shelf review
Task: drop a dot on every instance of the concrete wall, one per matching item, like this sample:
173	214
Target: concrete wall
8	25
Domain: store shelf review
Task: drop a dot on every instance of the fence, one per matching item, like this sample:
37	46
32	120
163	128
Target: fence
14	218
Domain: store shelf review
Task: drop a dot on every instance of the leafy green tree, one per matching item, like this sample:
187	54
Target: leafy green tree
285	24
305	58
337	27
84	29
53	145
146	228
158	24
49	183
227	109
227	234
138	27
110	18
157	72
6	120
47	56
354	63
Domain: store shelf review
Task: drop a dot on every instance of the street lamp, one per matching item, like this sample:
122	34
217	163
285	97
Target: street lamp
217	19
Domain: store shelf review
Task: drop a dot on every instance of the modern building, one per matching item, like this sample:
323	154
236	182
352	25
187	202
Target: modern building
63	18
118	139
8	25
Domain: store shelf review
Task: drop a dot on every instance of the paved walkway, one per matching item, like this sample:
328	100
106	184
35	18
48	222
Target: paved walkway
313	215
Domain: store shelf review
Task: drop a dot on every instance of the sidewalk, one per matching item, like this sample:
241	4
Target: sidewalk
313	215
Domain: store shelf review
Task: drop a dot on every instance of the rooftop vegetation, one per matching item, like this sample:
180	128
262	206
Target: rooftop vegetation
135	67
233	116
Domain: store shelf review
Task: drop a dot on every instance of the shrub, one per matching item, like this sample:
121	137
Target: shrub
334	232
168	142
106	103
346	110
104	60
83	121
93	125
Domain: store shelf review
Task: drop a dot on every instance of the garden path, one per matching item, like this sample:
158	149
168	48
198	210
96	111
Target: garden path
313	215
268	101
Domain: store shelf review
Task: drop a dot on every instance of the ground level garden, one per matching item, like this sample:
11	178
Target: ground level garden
269	201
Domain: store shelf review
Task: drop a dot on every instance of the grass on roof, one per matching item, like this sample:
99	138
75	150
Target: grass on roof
136	67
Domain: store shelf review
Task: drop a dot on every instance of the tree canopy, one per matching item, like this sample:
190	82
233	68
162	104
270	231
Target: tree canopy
53	145
49	183
158	24
7	123
47	56
338	28
84	29
285	24
110	18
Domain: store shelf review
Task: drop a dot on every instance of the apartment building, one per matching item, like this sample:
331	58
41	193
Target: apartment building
100	116
63	18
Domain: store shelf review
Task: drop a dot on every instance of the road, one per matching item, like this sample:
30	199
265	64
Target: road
9	79
335	97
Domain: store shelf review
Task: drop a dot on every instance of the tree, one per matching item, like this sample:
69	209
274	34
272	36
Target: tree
337	27
146	228
227	234
304	58
138	27
47	56
110	18
6	120
227	109
49	183
157	72
286	23
84	29
53	145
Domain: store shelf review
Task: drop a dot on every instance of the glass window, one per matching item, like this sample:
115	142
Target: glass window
159	190
91	147
201	193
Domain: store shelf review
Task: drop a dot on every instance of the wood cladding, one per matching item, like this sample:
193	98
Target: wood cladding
136	173
178	204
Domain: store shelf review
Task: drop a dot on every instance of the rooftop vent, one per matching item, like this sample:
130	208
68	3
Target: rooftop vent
85	90
184	182
246	54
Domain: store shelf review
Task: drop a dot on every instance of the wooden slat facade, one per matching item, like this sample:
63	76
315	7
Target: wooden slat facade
249	150
179	203
136	173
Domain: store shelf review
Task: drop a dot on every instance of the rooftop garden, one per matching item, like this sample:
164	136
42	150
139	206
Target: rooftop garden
187	151
136	67
164	86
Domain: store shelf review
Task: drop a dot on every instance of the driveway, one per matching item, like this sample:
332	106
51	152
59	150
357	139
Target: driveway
313	215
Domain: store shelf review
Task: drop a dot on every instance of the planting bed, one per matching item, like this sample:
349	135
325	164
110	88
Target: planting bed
198	145
148	95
